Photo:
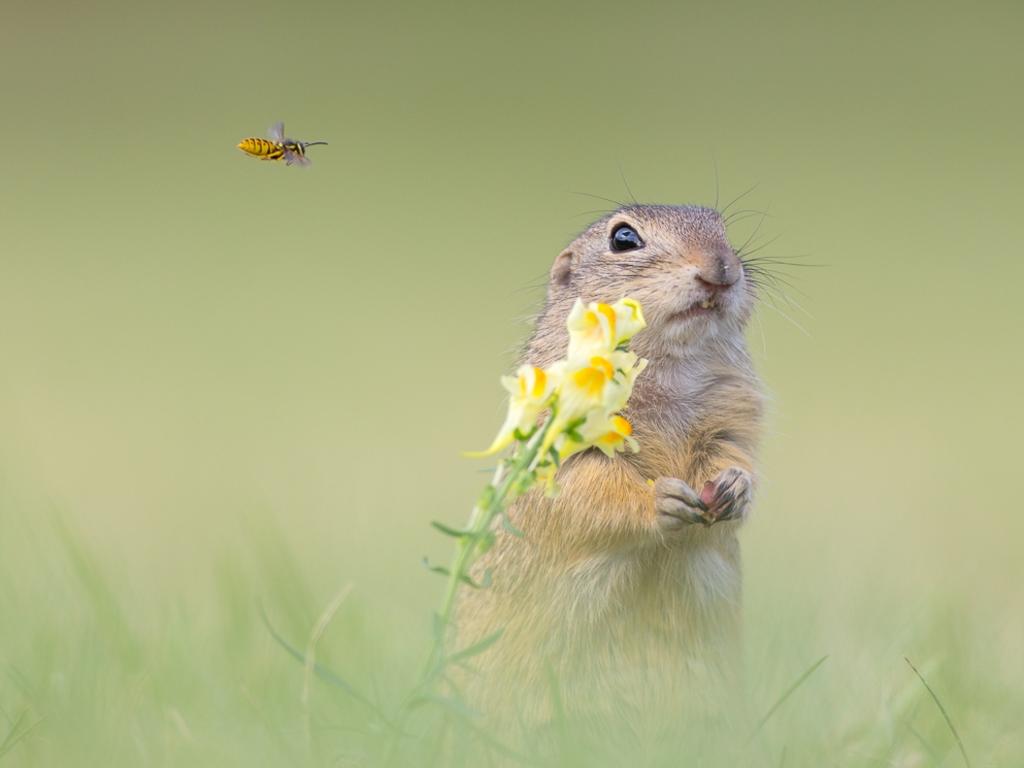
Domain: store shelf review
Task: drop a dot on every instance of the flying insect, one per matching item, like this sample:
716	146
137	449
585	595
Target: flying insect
277	147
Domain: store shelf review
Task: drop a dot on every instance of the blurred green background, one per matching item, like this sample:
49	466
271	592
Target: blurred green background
226	382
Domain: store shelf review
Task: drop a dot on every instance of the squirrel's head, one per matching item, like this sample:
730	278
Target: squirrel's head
675	260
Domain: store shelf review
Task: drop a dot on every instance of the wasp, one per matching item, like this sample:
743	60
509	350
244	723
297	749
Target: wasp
277	147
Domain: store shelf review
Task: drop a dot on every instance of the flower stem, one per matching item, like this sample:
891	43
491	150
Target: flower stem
507	477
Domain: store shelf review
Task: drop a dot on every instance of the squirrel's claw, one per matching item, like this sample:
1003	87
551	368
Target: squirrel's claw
677	504
727	497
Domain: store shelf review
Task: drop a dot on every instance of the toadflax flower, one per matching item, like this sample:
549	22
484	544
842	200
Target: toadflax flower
608	433
602	328
582	393
592	389
529	392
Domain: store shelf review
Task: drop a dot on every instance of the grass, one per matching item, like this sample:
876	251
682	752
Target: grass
93	673
789	692
188	336
945	714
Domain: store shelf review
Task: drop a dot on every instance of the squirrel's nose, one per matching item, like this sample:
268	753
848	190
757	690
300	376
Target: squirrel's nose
719	267
710	286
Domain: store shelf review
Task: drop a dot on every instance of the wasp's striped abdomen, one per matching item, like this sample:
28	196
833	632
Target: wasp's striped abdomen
262	148
277	147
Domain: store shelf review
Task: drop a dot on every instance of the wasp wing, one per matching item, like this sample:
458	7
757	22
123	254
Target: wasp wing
292	157
276	132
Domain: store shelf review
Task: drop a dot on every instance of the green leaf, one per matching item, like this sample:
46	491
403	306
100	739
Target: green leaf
457	533
445	572
507	524
524	437
576	423
469	582
476	648
436	568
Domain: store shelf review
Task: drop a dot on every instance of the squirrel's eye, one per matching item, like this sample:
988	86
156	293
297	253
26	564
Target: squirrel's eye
625	238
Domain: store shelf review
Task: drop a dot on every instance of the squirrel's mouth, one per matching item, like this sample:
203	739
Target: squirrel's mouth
705	306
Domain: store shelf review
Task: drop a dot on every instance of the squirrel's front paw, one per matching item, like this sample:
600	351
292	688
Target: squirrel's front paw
677	504
727	497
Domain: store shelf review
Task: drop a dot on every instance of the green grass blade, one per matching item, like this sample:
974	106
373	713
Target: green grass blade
476	648
17	734
324	673
789	692
942	709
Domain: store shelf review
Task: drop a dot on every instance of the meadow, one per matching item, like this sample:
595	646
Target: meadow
232	391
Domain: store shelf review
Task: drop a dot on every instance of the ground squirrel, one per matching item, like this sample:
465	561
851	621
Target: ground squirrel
625	589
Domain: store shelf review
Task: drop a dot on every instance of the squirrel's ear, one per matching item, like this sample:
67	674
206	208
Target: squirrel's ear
561	270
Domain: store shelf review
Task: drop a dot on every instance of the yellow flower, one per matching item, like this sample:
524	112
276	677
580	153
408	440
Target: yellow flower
598	328
529	393
627	367
602	381
591	329
617	436
630	319
608	432
585	386
585	391
600	385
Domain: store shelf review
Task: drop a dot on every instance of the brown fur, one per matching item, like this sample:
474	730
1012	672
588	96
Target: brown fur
628	613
